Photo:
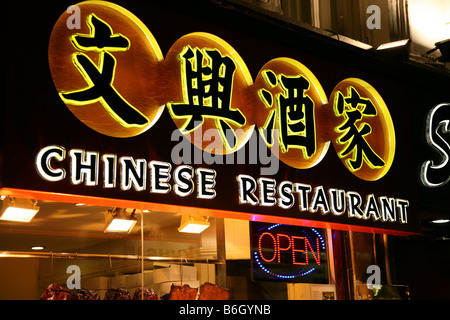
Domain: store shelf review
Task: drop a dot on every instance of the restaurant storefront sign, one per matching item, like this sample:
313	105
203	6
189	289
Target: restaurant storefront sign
193	130
288	253
206	85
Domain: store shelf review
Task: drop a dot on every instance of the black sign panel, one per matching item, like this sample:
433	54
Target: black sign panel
48	151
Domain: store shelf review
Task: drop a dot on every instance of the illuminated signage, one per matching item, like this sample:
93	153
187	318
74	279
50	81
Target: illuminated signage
112	76
288	253
105	71
210	82
364	133
436	172
90	169
192	130
293	99
86	167
267	192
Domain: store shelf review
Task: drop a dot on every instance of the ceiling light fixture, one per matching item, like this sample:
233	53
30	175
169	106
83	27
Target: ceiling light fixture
193	223
37	248
397	49
19	210
118	220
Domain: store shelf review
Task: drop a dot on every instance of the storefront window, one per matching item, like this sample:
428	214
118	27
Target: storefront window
370	23
288	155
76	252
66	245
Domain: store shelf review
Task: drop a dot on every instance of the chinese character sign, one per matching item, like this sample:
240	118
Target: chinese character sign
111	74
105	70
210	105
290	97
363	136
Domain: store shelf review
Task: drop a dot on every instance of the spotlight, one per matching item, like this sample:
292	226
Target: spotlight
440	221
193	223
17	209
444	48
118	220
397	49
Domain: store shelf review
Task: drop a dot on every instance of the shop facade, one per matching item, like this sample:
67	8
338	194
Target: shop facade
299	154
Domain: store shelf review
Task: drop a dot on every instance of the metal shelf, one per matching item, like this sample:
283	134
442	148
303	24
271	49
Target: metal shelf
91	256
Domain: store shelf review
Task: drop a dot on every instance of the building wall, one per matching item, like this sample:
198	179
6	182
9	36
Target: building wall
429	23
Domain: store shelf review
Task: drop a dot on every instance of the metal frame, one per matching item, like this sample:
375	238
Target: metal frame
94	256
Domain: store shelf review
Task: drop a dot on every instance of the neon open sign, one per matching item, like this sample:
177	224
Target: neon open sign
288	253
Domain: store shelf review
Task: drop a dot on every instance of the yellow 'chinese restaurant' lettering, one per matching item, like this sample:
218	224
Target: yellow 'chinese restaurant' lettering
112	76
